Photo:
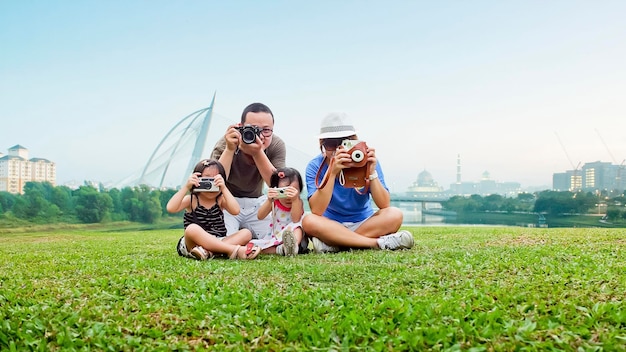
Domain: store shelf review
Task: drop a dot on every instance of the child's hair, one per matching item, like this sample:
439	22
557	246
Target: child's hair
203	164
289	173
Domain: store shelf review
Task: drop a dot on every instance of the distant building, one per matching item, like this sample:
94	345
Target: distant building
485	186
425	186
16	169
594	176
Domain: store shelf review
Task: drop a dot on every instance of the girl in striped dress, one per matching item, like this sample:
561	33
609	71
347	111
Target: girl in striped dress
204	198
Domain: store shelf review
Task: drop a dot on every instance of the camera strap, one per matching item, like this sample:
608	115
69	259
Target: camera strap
273	230
361	173
357	178
319	184
193	211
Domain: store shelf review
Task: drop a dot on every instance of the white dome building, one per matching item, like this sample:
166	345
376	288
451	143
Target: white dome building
425	186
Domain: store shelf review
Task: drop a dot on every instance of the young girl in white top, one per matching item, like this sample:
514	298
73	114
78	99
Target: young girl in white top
287	209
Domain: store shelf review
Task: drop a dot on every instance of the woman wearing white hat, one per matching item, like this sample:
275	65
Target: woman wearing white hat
342	216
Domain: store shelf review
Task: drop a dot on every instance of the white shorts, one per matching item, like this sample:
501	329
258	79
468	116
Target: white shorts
247	217
353	226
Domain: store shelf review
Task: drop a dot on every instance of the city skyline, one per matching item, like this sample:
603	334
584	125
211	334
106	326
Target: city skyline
561	179
519	89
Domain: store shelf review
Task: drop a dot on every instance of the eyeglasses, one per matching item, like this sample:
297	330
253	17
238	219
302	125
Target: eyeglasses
267	132
332	144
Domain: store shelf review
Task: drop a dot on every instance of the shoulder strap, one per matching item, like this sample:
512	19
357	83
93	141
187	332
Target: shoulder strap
193	211
326	176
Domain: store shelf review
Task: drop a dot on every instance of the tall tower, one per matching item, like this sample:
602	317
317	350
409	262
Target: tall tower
458	169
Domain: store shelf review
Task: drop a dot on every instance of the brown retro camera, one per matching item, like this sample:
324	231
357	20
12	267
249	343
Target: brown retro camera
356	175
357	151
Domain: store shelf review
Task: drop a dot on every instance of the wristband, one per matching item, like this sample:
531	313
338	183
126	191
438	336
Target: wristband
374	175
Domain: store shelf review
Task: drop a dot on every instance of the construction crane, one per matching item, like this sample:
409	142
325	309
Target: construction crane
575	181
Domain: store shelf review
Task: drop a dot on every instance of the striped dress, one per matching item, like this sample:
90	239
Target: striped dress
211	220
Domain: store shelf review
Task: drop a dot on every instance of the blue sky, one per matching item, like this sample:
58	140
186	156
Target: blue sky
95	85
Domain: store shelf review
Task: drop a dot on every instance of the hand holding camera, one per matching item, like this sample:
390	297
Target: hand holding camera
249	133
355	171
281	192
208	184
357	151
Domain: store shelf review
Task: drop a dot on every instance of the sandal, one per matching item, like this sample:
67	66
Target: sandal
200	253
251	252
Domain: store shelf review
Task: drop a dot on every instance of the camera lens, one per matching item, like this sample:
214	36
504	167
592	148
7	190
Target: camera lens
249	133
248	136
357	156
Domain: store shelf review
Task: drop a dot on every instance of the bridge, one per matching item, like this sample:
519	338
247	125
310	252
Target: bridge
396	200
419	199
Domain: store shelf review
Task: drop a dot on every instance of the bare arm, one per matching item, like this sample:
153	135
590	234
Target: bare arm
265	166
225	150
321	198
380	195
181	200
297	209
265	208
266	161
227	201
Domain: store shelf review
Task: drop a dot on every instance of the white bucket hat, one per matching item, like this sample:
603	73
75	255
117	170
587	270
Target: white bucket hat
336	125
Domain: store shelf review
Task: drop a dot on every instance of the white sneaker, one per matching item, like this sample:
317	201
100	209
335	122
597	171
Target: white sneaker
290	246
399	240
200	253
321	247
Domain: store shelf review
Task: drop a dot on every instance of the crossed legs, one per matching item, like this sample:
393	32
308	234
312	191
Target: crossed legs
383	222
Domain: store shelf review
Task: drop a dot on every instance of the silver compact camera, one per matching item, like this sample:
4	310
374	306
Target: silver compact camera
207	184
282	192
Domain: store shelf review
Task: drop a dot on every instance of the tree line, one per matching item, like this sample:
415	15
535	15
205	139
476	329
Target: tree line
545	202
43	203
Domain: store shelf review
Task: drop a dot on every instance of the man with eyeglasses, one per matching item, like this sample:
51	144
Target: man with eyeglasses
248	165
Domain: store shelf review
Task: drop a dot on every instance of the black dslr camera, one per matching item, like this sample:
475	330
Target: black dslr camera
249	133
207	184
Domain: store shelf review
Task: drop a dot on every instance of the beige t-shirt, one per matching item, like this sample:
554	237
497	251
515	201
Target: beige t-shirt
244	179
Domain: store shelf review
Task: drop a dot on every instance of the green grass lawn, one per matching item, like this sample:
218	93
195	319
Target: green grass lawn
459	288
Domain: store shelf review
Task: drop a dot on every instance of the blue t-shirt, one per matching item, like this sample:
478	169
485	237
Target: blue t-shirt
346	205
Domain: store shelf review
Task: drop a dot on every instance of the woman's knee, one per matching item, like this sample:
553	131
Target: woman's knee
310	223
393	215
